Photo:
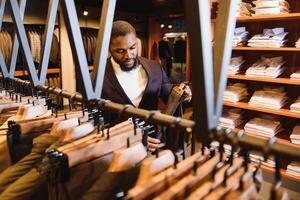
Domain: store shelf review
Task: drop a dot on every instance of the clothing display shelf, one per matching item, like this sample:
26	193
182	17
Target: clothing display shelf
286	81
246	106
34	27
25	73
290	16
266	49
255	25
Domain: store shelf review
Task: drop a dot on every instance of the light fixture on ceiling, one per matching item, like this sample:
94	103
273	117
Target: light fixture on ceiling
85	13
170	26
162	26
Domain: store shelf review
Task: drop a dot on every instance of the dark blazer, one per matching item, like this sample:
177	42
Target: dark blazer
165	49
158	85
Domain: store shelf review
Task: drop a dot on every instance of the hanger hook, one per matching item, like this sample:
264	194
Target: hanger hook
150	116
123	110
128	142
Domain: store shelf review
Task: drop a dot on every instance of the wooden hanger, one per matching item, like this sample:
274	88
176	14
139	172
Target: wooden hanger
125	159
126	126
152	165
77	132
102	147
8	107
249	189
31	112
159	182
59	126
192	181
249	193
232	184
40	124
205	188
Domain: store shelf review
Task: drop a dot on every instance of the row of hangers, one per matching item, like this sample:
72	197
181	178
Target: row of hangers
212	174
191	174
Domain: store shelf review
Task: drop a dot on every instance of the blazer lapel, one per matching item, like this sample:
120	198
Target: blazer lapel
146	66
114	81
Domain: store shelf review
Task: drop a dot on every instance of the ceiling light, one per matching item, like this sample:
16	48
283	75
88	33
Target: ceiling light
162	26
85	13
170	26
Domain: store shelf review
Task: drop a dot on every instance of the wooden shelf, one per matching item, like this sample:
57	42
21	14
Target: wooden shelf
49	71
287	81
290	16
280	17
244	105
266	49
283	173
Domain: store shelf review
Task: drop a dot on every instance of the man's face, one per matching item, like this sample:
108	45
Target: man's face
123	49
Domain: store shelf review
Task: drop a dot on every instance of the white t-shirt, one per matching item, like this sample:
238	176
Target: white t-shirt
133	82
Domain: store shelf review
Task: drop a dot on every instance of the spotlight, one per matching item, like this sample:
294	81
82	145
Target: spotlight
85	13
162	26
170	26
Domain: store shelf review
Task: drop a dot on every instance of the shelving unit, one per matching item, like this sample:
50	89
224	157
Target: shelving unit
246	106
49	71
291	54
266	49
25	73
285	17
283	173
286	81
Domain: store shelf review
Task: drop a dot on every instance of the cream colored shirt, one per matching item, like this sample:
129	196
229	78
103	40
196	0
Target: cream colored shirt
133	82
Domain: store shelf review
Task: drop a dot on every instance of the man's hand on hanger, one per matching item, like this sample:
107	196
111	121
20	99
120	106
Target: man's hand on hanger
153	144
188	92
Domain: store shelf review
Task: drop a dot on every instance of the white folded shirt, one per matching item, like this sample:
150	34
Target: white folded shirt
263	126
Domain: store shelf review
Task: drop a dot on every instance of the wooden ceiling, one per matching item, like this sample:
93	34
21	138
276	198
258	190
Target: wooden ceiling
141	6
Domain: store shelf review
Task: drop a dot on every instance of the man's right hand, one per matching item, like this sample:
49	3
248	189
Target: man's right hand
153	144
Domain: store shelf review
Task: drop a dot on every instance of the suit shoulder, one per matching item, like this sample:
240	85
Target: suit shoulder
152	63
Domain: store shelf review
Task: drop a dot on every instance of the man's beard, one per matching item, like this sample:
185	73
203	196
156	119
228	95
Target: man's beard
127	69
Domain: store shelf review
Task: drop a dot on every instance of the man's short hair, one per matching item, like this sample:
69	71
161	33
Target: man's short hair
121	28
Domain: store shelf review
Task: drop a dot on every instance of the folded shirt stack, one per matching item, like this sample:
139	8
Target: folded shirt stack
244	9
235	92
275	37
256	157
293	168
295	107
235	65
295	136
240	36
295	75
297	44
267	66
227	147
266	126
231	118
270	7
274	98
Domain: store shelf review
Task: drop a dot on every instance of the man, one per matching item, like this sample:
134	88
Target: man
130	79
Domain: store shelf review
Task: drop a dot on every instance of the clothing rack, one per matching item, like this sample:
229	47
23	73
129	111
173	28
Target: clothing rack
124	110
247	142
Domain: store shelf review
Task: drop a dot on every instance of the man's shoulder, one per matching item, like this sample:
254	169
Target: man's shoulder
146	61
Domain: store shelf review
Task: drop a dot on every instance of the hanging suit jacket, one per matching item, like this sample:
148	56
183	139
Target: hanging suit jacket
165	49
158	85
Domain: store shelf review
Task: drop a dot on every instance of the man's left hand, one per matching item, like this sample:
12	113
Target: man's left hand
187	90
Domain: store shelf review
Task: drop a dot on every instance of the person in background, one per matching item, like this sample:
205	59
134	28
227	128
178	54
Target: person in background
130	79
